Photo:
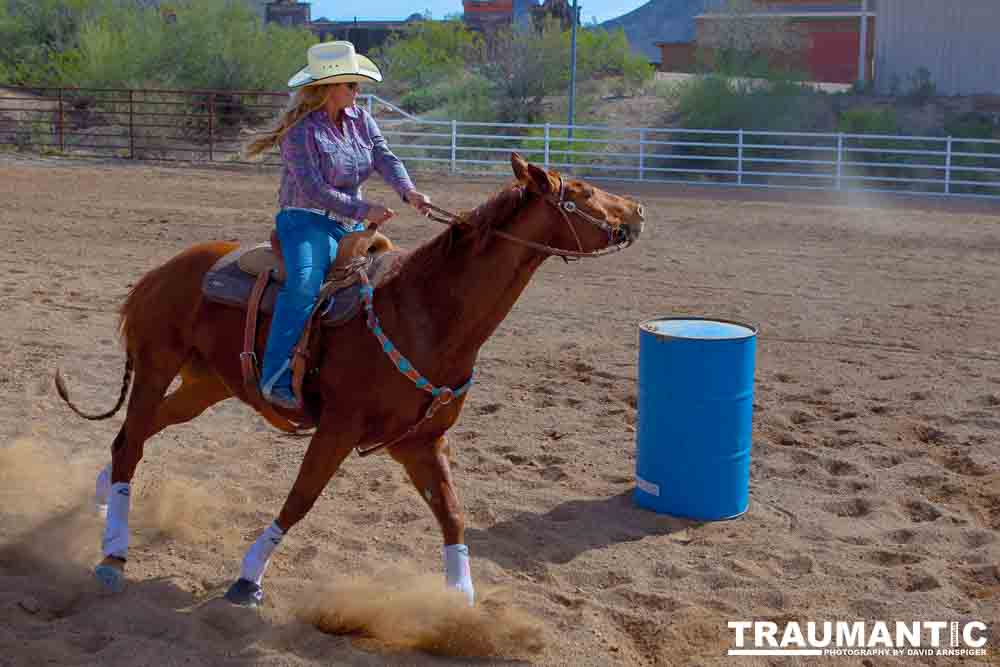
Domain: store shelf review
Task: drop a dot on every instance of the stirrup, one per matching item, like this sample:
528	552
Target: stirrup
281	402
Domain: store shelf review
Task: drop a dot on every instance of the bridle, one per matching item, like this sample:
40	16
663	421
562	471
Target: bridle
619	238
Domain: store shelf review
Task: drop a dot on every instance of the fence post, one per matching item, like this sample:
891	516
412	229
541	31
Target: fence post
739	160
211	127
840	160
61	125
369	104
546	160
947	169
570	158
642	154
454	144
131	125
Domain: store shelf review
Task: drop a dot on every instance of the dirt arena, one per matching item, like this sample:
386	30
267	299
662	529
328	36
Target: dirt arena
875	490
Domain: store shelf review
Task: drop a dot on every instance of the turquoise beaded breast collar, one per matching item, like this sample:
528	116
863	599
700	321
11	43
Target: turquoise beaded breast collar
442	395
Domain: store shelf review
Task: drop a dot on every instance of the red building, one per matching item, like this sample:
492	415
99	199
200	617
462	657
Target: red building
827	36
487	15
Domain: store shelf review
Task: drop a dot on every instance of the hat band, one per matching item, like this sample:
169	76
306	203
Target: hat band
330	76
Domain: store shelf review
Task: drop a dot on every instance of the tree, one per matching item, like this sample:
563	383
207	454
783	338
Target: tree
524	66
35	34
743	40
429	51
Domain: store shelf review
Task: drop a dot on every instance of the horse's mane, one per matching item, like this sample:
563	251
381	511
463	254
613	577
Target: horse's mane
473	228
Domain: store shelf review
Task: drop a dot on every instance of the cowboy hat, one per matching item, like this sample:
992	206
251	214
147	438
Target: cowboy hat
335	62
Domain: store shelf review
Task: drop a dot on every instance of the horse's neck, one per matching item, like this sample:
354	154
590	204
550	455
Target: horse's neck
466	298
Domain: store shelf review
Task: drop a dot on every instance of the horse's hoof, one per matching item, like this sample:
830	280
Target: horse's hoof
245	593
111	578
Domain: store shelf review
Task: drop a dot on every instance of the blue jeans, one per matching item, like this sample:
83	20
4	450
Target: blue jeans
308	246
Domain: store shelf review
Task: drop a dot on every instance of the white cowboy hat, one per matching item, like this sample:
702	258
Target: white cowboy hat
335	62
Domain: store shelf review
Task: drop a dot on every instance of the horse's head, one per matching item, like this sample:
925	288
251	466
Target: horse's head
594	219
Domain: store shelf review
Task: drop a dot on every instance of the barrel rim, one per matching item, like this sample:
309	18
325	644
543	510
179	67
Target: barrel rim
754	329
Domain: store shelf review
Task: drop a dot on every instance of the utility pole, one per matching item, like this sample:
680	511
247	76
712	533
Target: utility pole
572	70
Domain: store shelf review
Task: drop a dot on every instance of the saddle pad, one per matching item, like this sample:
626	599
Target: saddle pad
228	284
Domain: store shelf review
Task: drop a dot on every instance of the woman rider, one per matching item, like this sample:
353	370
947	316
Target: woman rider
329	147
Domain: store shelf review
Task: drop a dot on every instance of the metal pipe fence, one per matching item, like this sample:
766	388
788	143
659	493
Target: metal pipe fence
211	126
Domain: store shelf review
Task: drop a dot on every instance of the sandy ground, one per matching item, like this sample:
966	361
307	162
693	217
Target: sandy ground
875	470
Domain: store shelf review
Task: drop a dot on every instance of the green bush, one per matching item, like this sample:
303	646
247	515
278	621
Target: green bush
978	155
109	43
469	99
922	87
36	34
559	145
428	52
868	121
875	121
719	103
969	126
444	65
602	53
207	44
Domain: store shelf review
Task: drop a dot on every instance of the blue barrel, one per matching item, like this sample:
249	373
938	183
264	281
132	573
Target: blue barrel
694	424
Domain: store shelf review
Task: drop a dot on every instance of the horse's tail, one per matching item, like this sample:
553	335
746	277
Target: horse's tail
159	312
126	382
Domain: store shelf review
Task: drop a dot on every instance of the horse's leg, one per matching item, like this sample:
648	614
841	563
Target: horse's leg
153	375
427	465
328	448
200	389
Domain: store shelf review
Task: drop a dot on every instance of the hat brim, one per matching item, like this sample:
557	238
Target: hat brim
368	72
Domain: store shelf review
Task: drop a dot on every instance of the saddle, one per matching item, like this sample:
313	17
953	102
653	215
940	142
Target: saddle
249	279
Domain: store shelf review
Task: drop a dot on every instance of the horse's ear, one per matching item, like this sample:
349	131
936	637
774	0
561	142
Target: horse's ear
520	167
535	178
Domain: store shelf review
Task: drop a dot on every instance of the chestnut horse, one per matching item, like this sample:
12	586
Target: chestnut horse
447	298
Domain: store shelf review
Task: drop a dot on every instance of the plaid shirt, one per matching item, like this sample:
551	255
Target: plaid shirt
325	164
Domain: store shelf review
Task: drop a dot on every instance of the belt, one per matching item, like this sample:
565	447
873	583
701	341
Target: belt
348	223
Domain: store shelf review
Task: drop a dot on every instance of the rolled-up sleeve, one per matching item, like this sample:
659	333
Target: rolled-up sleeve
385	161
301	155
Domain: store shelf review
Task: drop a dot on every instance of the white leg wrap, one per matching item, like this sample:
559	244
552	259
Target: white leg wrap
102	490
457	572
259	554
115	541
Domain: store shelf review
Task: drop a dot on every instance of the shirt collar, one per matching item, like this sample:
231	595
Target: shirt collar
352	112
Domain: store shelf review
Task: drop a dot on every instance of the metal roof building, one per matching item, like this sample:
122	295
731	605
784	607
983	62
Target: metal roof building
956	41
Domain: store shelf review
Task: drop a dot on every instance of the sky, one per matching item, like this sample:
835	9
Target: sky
346	10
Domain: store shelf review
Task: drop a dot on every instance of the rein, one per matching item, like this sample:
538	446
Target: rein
566	208
442	396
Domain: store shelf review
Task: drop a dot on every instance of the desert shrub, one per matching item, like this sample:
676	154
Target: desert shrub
36	34
922	88
468	98
974	154
588	141
723	103
109	43
203	44
428	52
868	121
603	53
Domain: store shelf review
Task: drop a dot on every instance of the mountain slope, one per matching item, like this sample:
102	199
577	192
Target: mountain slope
660	21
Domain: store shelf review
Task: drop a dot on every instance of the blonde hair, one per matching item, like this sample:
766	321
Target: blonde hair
303	102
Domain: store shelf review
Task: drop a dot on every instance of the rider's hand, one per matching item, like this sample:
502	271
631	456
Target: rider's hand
418	200
379	215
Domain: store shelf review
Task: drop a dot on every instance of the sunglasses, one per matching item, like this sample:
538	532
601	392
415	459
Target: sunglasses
353	85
